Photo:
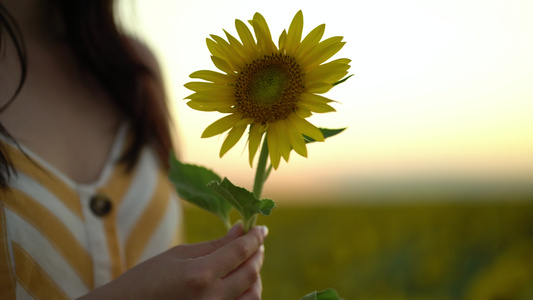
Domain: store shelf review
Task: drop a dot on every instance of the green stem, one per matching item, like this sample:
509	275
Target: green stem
259	181
260	173
250	223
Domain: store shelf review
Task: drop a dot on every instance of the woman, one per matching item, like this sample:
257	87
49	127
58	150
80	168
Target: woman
85	207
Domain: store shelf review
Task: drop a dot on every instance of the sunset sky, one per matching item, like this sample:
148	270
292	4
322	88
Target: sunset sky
440	88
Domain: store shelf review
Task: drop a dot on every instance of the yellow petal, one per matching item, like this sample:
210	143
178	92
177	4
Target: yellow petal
213	100
284	142
254	140
273	146
318	87
296	139
214	48
222	65
237	46
247	38
342	61
294	35
330	72
317	107
306	128
310	41
323	52
313	98
245	121
210	107
282	40
214	94
233	41
262	34
201	86
317	49
303	112
233	137
221	125
230	54
212	76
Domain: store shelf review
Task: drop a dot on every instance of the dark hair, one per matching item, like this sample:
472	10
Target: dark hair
112	59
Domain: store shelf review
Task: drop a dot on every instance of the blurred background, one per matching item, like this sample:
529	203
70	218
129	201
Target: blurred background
429	192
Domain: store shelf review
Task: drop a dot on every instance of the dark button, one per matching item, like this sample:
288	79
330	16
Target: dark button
100	205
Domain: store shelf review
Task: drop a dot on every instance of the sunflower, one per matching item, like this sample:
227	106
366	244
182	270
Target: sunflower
269	90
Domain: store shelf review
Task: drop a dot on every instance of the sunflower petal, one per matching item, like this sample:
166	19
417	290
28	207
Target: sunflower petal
247	38
306	128
214	94
329	72
222	65
233	137
273	146
202	106
342	61
198	86
214	48
296	139
283	139
245	121
230	53
313	98
323	52
254	140
282	40
294	35
221	125
212	76
318	87
310	41
213	100
234	42
317	107
303	112
262	34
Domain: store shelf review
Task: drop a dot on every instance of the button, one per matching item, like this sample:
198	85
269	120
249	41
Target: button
100	205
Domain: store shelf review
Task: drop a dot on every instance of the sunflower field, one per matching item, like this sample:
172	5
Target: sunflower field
463	249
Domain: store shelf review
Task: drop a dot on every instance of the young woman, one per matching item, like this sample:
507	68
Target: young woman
85	207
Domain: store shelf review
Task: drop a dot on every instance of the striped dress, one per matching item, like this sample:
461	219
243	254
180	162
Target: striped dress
59	239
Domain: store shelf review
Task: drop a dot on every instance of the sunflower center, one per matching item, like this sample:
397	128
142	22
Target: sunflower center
268	89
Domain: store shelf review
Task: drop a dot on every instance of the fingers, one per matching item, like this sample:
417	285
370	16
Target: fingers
206	248
227	268
254	292
237	251
245	280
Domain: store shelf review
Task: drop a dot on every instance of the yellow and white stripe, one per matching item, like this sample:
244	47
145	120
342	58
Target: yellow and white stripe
53	246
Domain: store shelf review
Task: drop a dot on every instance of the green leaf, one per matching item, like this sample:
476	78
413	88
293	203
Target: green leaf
266	207
191	183
326	132
243	200
329	294
342	80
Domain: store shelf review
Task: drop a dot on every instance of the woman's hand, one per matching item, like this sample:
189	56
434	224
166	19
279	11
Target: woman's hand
227	268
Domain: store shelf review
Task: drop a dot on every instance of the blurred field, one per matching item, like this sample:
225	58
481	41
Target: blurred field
461	250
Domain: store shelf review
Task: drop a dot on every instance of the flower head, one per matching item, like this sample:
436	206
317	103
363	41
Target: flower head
269	90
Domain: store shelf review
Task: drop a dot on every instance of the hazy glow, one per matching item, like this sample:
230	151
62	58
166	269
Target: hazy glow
440	87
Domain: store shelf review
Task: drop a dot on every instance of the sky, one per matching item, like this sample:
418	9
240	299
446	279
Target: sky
442	89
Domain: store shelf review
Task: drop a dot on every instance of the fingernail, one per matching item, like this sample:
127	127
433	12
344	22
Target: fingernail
264	230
